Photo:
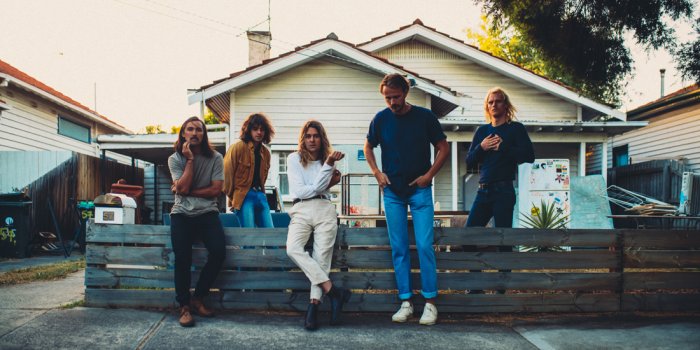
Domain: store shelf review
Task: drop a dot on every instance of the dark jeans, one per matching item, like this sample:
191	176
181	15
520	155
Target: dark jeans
183	231
497	202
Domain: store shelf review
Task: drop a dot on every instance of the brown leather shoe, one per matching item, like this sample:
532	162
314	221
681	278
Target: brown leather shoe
186	319
199	308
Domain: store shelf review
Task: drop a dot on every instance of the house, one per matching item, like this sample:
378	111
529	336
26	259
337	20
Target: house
674	124
336	82
46	125
34	116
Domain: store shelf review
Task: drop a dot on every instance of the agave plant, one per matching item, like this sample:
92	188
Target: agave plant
546	216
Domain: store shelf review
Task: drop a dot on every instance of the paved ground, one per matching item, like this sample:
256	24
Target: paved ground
31	318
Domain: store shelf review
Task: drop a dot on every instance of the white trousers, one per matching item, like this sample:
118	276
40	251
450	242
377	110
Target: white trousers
315	216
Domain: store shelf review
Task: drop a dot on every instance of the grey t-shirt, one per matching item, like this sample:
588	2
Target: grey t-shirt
206	170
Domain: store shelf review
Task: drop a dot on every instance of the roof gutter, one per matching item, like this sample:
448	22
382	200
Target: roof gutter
669	105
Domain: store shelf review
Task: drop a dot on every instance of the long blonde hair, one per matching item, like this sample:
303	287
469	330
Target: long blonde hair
325	149
510	109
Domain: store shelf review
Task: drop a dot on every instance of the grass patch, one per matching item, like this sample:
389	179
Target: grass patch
77	303
42	273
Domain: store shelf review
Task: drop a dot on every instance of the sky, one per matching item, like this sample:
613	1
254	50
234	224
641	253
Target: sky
134	60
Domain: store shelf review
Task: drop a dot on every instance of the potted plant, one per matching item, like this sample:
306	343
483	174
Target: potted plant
546	216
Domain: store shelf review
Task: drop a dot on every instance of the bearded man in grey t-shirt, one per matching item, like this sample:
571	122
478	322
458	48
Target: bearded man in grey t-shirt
198	178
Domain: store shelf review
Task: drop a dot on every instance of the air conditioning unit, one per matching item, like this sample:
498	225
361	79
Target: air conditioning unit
689	199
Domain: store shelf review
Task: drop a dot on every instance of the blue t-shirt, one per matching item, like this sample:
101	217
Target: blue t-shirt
405	141
501	165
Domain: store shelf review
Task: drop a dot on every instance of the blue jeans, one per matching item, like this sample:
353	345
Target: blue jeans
255	212
421	203
496	202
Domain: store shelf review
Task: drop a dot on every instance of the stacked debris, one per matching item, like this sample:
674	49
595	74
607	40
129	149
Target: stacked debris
638	204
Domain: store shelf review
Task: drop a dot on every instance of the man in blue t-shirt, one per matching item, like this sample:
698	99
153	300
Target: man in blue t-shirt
405	133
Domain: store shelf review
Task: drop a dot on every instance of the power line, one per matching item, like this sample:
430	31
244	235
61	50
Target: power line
291	46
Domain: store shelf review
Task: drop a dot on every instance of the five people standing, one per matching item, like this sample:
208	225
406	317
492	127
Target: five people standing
405	134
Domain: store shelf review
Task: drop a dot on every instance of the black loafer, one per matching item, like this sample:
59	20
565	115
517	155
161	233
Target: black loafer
310	319
339	298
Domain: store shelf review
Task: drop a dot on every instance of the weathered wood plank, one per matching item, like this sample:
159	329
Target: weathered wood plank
487	236
662	258
298	301
356	258
661	280
661	302
277	280
381	259
164	256
160	235
665	239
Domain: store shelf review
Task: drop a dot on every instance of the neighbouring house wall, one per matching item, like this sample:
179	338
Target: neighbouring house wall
673	135
19	168
474	80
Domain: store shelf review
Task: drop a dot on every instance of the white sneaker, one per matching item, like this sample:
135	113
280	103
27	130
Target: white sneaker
404	313
429	315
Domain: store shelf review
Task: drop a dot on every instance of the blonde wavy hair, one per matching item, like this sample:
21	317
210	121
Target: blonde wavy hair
325	149
510	109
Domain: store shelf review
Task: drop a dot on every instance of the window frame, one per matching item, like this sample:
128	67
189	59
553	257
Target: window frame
61	119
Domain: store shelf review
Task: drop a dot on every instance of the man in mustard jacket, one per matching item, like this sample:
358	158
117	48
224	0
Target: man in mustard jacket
246	165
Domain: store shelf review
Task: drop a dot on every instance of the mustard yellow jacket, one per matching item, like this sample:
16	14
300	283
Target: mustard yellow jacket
239	164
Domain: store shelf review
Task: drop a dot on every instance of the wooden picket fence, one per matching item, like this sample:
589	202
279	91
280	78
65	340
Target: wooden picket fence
606	271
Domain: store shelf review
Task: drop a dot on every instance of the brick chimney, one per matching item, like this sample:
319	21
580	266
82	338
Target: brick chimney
258	47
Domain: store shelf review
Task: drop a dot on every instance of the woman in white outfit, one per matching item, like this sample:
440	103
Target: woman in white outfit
311	173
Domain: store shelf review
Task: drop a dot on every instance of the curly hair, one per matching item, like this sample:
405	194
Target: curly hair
254	120
325	149
205	147
510	109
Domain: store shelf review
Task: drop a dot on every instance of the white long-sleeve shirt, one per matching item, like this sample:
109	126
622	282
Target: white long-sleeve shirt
310	181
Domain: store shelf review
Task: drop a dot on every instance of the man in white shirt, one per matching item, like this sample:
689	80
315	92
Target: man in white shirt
311	172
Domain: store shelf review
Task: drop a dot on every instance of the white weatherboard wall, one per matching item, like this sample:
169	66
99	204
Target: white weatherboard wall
342	96
27	128
19	169
673	135
474	80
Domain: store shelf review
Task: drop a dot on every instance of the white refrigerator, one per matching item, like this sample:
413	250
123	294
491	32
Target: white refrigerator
545	179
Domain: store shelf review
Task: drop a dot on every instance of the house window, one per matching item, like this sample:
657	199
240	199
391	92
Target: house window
283	181
73	130
621	156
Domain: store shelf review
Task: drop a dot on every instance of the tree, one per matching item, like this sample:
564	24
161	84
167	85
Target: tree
585	39
688	55
509	44
154	129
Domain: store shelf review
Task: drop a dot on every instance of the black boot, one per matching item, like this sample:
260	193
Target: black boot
338	296
310	323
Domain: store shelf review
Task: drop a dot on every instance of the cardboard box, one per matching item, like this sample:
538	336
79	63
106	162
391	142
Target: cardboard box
115	215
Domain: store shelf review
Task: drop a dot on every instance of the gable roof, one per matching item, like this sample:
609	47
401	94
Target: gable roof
17	77
418	31
215	93
686	96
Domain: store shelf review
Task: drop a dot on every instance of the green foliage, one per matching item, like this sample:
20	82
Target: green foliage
688	62
545	216
584	41
154	129
210	118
